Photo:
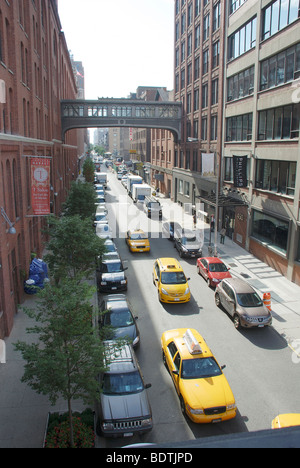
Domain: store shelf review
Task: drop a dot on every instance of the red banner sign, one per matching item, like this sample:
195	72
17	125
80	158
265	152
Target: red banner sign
40	186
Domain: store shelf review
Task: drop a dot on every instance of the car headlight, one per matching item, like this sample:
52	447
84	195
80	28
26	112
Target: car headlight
146	422
107	426
136	340
231	406
215	280
103	283
123	281
194	410
164	291
187	291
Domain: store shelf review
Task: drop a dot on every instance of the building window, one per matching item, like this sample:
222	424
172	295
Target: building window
205	95
196	99
271	230
205	61
239	128
228	169
204	128
187	189
240	85
216	54
197	68
213	127
234	5
182	79
206	27
276	176
216	16
197	7
279	123
183	51
242	40
190	45
280	68
278	15
189	73
214	91
197	36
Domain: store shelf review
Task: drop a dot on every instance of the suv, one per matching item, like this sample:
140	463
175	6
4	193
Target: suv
152	207
110	275
187	243
123	408
243	303
170	280
116	317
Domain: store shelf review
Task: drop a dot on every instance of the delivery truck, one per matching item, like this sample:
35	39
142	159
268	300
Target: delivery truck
101	178
133	179
140	191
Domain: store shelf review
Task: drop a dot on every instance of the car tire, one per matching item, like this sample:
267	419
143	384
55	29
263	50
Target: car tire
236	322
217	300
182	406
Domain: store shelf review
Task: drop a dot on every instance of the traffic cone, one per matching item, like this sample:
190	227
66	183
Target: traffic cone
267	300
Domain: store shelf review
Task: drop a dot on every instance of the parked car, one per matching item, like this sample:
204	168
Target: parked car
117	319
103	231
213	270
204	393
187	243
168	229
100	217
123	408
111	275
242	302
110	246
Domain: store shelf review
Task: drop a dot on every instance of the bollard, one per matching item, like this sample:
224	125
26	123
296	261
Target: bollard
267	300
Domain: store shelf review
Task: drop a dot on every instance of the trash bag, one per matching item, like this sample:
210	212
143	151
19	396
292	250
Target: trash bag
38	276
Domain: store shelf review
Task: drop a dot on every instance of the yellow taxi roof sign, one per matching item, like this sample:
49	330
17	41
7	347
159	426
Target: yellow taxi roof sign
192	343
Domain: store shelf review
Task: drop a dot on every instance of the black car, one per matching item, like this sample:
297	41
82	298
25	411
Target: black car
187	243
117	320
110	275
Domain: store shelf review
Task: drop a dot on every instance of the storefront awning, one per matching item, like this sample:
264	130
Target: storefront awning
223	201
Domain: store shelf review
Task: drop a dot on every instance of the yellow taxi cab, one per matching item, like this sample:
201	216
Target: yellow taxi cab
286	420
137	241
204	393
170	281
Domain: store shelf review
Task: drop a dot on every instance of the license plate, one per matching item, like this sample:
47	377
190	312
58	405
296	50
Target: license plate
141	250
114	287
176	299
217	420
260	326
128	434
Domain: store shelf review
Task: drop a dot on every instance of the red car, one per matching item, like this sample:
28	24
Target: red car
213	270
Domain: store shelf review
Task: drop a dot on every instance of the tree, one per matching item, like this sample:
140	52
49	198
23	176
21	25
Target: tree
81	200
88	170
72	248
69	354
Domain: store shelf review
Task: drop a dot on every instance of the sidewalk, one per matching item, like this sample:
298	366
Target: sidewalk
23	413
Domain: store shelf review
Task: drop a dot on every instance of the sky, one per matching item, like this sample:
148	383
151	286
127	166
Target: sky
122	44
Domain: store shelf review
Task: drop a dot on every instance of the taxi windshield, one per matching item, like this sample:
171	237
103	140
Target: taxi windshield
138	236
173	277
199	368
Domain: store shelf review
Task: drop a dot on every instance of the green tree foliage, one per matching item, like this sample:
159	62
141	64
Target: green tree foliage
69	353
81	200
72	248
88	170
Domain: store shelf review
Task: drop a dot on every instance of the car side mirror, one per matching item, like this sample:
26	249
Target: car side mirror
126	268
148	385
188	279
175	372
223	367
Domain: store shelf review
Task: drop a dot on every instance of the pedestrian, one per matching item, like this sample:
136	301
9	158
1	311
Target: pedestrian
212	224
222	234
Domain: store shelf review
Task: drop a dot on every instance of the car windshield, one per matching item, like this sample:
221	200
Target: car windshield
138	236
122	384
173	277
199	368
110	247
118	318
249	300
100	217
113	267
217	267
188	240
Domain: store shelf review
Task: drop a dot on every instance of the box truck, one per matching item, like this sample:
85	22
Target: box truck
133	179
101	178
140	191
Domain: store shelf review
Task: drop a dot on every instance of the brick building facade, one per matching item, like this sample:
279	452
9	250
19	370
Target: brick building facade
35	74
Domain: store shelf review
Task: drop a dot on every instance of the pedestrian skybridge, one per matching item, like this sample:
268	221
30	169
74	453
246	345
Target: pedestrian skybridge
121	113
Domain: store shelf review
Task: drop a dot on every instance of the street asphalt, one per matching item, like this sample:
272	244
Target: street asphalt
23	412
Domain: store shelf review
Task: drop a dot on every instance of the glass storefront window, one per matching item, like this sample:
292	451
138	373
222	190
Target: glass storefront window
273	231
